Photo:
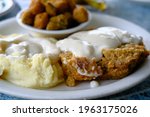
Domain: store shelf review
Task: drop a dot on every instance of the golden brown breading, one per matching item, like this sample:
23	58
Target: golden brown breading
36	7
115	64
27	17
80	14
50	9
58	22
60	5
89	69
41	20
72	4
118	63
61	11
44	2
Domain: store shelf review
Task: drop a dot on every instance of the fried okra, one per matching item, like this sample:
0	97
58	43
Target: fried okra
62	14
41	20
60	5
36	7
50	9
80	14
27	17
58	22
72	4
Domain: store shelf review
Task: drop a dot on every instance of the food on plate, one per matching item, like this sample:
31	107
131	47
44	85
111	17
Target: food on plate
100	54
54	14
30	62
72	4
60	5
80	14
118	63
103	53
27	17
41	20
36	7
50	9
59	22
79	68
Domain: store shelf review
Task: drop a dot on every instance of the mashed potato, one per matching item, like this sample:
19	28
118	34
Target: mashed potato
30	62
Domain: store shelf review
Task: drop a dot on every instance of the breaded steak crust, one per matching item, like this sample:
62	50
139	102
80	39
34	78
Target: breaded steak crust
78	69
115	64
118	63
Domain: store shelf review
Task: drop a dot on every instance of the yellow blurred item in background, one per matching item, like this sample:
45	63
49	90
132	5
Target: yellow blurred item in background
98	4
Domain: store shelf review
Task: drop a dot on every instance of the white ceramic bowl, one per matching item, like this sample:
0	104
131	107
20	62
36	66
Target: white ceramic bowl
52	33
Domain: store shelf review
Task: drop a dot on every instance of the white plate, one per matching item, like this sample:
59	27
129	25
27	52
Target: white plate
83	90
5	6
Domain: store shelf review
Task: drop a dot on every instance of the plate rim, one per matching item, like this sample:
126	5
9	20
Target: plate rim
93	96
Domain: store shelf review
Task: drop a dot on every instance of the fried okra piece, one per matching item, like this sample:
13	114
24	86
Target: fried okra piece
80	14
44	2
71	21
68	16
50	9
60	5
27	17
72	4
36	7
41	20
52	26
58	22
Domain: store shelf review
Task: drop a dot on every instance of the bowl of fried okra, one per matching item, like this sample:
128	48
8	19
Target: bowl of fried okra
55	18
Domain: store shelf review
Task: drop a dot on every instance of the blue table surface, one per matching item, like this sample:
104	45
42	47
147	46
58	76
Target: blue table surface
135	12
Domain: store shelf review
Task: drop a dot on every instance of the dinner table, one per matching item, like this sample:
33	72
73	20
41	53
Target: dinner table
133	11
